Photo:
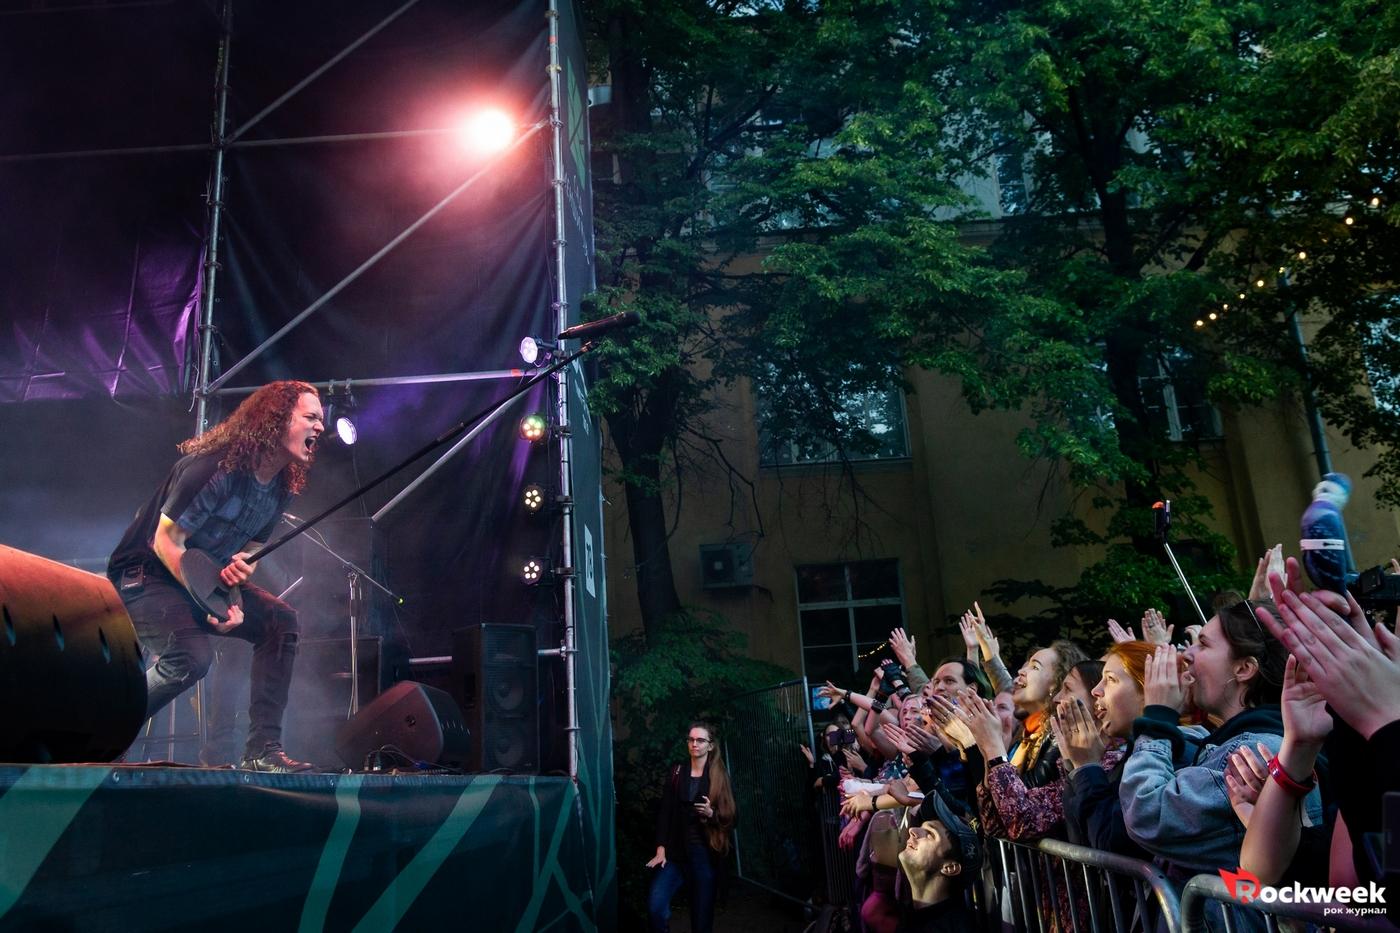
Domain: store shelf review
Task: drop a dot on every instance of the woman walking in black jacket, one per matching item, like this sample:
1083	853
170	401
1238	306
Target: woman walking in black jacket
692	832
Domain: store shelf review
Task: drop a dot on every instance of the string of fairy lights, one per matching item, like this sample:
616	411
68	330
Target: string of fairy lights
1259	284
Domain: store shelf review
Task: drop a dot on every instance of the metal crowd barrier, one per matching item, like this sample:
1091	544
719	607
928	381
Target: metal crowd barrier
1109	892
775	835
1203	890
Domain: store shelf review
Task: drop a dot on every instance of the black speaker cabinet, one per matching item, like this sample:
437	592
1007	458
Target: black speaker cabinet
72	686
422	722
494	670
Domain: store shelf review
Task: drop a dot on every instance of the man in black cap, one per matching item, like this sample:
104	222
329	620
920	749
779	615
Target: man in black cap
942	856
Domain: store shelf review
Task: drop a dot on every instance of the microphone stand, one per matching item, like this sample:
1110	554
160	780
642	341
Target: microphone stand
353	574
202	576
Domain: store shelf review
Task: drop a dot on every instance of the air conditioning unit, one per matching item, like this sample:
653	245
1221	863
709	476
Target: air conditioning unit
723	566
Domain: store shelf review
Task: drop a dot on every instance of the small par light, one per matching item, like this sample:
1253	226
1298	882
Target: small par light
534	428
532	497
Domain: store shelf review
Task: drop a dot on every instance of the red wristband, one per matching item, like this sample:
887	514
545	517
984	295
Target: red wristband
1282	779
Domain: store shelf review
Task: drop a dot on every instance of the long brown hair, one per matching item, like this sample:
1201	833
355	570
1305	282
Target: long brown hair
254	431
721	793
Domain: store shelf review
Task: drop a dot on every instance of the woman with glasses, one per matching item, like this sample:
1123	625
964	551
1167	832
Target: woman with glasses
692	832
1176	804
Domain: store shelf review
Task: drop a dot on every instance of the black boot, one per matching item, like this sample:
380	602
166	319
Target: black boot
273	759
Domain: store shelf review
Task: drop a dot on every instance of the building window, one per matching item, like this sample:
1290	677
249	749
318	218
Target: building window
874	421
1380	353
845	611
1173	392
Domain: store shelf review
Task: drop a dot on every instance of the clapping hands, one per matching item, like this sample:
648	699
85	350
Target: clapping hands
1077	734
1165	684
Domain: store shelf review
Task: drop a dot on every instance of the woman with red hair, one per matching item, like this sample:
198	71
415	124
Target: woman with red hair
1093	815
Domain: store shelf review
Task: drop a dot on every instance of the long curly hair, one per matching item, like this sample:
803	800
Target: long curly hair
721	793
254	431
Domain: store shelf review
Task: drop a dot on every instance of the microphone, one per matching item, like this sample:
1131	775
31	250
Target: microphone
601	326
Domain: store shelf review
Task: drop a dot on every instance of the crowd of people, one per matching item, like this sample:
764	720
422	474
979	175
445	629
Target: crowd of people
1262	741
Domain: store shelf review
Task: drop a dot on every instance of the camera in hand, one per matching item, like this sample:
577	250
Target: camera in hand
841	737
893	681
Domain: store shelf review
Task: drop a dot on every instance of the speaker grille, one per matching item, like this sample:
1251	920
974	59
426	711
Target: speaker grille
494	668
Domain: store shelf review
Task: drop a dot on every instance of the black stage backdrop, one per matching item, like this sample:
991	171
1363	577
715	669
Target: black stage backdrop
101	273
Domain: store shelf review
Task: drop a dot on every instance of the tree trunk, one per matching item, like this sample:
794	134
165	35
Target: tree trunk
639	434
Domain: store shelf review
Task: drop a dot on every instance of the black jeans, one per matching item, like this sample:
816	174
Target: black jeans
174	629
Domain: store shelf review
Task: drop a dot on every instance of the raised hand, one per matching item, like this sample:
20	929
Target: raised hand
928	742
1164	684
1271	562
968	626
1306	722
1077	734
982	722
831	692
1119	634
1355	668
949	726
854	759
1155	628
898	737
807	753
903	647
991	648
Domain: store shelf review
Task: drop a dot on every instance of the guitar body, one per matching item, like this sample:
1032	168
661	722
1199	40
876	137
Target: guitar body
202	581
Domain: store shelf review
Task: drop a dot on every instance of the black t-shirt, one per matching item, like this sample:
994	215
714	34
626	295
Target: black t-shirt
220	512
947	916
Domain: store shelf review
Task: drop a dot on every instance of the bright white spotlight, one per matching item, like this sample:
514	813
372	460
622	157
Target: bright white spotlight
487	131
345	430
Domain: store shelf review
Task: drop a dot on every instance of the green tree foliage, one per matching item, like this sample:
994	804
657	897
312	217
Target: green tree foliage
1172	153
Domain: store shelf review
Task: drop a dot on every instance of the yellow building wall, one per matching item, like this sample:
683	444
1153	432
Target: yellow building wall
964	510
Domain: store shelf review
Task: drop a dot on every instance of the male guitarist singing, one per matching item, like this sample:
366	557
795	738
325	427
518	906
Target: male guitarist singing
224	497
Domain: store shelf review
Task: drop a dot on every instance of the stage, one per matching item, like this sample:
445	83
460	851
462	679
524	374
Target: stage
104	847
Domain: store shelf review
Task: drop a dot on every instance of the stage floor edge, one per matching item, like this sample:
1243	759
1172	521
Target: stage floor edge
139	848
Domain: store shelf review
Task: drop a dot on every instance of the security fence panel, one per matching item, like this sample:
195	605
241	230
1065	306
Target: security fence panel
1026	884
776	835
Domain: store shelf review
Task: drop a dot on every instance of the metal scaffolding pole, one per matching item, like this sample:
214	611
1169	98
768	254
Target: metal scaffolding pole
369	263
561	305
216	207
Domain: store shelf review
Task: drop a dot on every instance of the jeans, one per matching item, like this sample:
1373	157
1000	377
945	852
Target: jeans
174	629
697	873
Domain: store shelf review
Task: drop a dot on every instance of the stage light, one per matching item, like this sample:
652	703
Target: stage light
1213	316
487	131
534	427
339	405
536	351
533	571
533	498
1348	220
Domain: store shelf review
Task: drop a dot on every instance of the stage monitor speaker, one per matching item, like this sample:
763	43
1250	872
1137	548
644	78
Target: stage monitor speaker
72	685
495	673
422	722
